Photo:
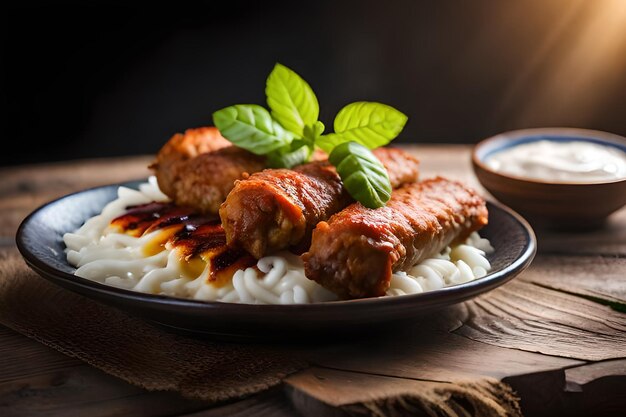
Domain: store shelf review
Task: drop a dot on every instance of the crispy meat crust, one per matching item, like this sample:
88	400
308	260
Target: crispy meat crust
199	168
356	251
278	208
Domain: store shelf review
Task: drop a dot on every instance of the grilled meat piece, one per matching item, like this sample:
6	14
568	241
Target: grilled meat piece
278	208
356	251
199	168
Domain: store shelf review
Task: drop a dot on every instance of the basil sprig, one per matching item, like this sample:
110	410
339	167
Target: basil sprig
289	134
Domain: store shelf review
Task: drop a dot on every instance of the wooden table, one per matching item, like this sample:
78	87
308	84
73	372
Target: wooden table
556	334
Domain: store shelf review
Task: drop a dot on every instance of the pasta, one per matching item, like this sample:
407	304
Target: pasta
104	254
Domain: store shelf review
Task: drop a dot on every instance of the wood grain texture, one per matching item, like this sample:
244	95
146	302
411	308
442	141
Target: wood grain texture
21	357
38	381
555	335
598	278
431	350
271	403
61	177
610	240
529	317
320	391
84	390
24	188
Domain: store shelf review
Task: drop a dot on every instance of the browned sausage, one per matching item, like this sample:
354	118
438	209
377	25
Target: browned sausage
278	208
199	168
356	251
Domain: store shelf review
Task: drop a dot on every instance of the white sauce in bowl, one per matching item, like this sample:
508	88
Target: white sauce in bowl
574	161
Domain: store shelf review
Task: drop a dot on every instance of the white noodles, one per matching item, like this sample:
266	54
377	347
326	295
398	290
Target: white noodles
102	254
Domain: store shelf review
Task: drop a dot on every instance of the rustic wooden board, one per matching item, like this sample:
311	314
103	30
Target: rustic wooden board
571	274
610	240
21	357
24	188
551	334
529	317
272	403
433	350
38	381
319	391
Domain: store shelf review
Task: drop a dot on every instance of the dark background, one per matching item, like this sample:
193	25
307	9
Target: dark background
95	80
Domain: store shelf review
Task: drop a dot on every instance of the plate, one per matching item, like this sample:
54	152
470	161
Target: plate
39	239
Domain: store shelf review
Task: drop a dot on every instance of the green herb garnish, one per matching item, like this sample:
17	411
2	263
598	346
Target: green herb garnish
362	174
291	132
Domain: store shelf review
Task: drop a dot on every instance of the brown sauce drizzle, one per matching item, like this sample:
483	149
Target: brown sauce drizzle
199	239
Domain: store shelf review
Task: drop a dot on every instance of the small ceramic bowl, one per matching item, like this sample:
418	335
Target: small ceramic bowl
546	203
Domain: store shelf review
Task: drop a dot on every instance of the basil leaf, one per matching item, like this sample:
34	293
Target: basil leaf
291	100
363	175
251	127
368	123
328	142
297	153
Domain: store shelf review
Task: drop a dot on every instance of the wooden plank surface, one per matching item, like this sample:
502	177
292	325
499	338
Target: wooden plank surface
435	350
323	392
38	381
533	318
570	274
24	188
555	335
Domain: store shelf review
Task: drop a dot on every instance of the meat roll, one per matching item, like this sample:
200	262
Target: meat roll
199	168
356	251
278	208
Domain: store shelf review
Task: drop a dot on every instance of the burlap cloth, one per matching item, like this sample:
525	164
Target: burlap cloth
155	359
130	348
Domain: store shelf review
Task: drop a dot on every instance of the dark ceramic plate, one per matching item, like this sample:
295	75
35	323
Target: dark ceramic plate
39	239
